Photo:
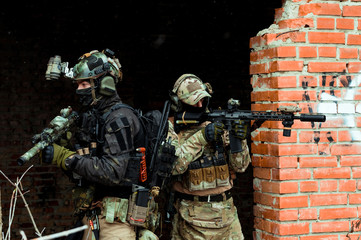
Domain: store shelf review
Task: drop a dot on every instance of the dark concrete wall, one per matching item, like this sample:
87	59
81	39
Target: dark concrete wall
155	41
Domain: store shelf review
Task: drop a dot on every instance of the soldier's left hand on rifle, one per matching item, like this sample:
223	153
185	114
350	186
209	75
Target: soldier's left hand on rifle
56	154
240	129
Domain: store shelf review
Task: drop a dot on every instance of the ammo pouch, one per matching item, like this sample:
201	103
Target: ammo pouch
205	173
143	210
115	209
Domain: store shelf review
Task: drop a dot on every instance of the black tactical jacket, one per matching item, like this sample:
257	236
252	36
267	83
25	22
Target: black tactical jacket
122	134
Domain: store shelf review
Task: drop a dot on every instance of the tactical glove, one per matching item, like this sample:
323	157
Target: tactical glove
239	129
56	154
213	132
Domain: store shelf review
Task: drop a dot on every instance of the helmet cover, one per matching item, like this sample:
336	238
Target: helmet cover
95	64
190	89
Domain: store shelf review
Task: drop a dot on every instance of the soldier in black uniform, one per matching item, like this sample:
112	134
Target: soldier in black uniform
104	162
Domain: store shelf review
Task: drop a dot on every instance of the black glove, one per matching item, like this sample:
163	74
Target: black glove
56	154
213	132
239	129
47	154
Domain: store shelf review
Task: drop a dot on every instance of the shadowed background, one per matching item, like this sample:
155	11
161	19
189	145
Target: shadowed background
155	41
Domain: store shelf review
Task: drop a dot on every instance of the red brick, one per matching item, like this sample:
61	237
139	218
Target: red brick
342	23
275	82
275	162
346	149
291	201
337	213
347	186
293	228
308	214
317	161
326	37
359	24
348	53
350	161
285	66
326	67
355	198
296	23
354	67
332	173
319	9
296	37
290	174
320	237
316	136
284	149
264	173
308	81
328	186
353	39
274	136
309	186
273	214
266	236
327	52
279	187
278	13
328	199
265	199
285	51
351	11
325	23
283	81
356	172
327	227
258	68
307	52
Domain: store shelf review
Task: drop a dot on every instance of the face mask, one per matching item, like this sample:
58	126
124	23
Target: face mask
189	108
85	96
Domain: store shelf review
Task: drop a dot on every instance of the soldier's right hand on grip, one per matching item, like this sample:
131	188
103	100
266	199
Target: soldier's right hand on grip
213	132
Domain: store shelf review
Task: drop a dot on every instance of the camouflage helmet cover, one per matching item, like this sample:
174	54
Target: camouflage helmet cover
95	64
190	89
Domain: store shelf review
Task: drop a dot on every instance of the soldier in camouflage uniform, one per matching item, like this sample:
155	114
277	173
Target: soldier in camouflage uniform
204	169
103	164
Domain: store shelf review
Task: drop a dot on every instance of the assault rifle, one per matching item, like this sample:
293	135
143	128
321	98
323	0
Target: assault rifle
57	127
286	114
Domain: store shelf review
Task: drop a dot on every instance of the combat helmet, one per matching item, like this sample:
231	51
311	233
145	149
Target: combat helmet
189	89
101	69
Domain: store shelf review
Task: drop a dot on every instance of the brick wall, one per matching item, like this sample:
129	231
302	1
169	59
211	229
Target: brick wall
307	186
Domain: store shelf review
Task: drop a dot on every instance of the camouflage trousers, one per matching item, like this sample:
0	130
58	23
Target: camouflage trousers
117	231
110	231
206	220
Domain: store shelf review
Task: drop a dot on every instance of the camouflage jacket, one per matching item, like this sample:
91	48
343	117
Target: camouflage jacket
122	135
190	145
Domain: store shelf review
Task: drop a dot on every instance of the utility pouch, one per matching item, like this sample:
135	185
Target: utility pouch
209	173
133	169
222	171
115	209
195	173
138	207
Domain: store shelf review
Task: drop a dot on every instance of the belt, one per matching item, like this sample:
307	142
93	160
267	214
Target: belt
210	198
